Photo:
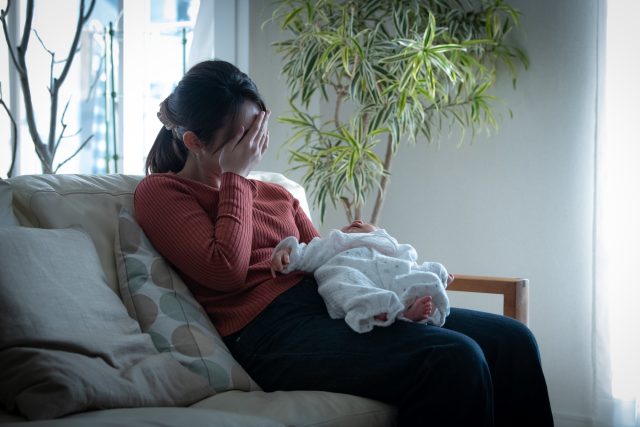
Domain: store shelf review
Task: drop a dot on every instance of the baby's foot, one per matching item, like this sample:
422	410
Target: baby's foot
382	317
450	279
420	309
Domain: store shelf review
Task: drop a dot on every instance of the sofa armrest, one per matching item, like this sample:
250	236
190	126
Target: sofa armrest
515	292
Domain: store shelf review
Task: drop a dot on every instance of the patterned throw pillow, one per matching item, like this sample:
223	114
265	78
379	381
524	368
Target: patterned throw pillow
164	307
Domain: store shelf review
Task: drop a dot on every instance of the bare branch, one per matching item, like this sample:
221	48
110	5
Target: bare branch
5	29
26	32
50	52
57	82
43	155
45	152
76	133
86	17
86	141
14	134
82	18
53	59
64	112
64	126
21	67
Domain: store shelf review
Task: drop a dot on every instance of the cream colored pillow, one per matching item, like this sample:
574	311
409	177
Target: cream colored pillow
157	297
290	185
67	343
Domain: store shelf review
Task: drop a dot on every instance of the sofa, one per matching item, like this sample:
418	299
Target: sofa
97	329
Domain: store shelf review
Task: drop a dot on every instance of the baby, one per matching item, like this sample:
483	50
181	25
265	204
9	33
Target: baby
366	277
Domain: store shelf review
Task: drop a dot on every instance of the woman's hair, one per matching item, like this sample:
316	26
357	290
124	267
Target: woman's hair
207	98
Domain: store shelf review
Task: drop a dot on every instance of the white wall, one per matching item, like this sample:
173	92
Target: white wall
519	203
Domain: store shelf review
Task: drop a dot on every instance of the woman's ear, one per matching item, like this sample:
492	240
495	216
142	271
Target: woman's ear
192	142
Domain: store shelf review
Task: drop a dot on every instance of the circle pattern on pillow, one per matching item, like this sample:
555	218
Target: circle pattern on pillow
164	307
184	336
179	308
219	377
160	274
144	304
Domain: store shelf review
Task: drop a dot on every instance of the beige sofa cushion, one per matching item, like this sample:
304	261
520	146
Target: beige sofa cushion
157	417
305	408
156	296
67	343
93	202
89	202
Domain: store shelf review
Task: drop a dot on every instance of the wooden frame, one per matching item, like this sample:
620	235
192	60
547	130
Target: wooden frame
515	292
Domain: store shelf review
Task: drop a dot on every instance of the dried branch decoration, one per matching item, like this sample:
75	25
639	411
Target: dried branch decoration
46	147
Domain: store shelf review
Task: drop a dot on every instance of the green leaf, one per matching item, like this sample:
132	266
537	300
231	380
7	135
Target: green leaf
290	17
429	33
409	69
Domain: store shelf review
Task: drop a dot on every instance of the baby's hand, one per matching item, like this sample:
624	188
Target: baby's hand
280	261
450	279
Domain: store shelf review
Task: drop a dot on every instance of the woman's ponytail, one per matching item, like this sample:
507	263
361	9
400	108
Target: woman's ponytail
167	153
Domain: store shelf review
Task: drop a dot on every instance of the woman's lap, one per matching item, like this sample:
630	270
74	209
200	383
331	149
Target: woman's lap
294	345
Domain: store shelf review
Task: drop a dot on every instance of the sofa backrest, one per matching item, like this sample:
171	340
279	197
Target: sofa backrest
91	203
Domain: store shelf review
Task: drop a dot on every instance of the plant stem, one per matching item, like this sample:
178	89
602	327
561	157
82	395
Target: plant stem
384	180
347	209
336	114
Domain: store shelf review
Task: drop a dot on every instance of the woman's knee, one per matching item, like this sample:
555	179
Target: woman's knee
468	358
461	364
462	372
519	339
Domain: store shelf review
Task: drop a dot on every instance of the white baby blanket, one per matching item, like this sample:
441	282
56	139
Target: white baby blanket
361	275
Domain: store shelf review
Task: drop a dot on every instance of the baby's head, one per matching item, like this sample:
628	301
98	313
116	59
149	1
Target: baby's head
358	226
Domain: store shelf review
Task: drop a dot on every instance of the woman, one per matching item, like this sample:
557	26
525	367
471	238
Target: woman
219	230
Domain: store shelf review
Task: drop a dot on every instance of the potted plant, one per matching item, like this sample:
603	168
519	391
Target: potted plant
403	68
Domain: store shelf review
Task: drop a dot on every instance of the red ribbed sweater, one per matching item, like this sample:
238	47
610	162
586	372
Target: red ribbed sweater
221	240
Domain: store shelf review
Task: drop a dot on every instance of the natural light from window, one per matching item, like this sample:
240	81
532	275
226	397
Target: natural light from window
619	205
131	55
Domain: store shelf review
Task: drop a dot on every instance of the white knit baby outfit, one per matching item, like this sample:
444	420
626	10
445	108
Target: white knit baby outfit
361	275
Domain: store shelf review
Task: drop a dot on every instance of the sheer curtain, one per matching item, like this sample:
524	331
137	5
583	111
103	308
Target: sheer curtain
617	229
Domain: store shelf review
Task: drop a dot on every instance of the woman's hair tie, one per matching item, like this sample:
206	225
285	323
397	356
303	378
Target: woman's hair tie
163	116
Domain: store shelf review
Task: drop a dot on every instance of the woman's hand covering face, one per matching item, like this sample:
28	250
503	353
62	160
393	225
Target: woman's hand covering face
245	150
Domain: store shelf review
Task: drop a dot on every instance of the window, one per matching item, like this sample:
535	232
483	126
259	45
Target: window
157	39
131	54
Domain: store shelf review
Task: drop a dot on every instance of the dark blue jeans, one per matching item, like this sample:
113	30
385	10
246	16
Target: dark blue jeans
478	370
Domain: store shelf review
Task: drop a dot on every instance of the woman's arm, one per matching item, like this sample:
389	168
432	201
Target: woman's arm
305	226
207	241
302	256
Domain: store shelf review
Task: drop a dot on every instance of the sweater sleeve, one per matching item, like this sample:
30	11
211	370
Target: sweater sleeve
211	245
305	226
307	257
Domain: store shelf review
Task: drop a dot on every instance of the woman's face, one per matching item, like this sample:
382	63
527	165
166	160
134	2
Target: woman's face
245	117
